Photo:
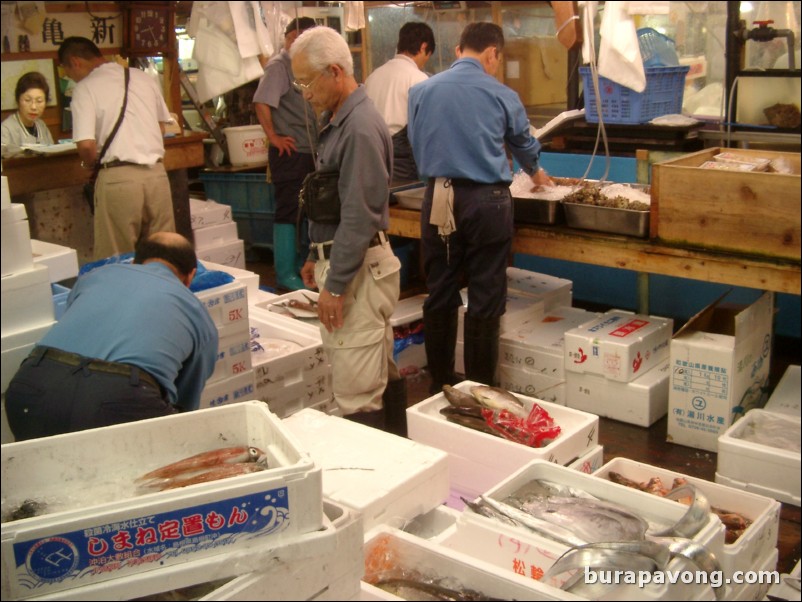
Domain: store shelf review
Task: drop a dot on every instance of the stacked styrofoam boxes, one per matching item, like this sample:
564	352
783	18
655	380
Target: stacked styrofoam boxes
233	377
755	547
251	279
529	296
105	531
291	369
520	550
531	357
388	479
394	554
477	460
61	261
617	366
409	350
216	234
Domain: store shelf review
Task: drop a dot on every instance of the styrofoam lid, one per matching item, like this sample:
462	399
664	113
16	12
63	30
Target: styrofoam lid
408	310
15	212
36	275
786	396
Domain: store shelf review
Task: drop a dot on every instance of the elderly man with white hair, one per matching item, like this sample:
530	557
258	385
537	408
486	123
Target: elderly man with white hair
350	257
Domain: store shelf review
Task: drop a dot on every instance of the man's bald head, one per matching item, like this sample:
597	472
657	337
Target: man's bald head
169	247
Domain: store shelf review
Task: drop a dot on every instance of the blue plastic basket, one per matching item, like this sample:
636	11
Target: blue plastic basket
243	192
665	87
656	49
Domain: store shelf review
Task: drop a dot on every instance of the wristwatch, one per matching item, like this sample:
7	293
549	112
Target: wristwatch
335	295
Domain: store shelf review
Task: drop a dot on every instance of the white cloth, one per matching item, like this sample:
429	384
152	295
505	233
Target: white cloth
442	214
96	103
619	53
354	16
388	88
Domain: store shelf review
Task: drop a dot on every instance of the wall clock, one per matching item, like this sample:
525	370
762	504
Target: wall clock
149	29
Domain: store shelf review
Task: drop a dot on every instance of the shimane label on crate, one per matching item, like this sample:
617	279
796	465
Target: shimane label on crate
111	550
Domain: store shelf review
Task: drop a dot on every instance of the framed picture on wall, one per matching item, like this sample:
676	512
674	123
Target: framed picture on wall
13	70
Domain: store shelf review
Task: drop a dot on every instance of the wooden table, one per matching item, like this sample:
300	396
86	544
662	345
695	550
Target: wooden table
639	255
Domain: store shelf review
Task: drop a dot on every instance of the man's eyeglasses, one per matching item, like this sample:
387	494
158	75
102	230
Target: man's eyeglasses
305	87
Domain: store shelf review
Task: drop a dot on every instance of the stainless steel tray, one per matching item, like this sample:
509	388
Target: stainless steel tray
412	198
607	219
537	211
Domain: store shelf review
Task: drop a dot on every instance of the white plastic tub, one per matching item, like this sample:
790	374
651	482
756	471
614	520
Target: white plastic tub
247	144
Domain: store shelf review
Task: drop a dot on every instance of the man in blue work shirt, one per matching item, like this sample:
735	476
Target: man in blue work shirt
133	343
460	122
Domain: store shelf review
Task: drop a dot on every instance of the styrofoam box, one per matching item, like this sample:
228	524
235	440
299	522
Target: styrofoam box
261	297
290	353
228	253
215	235
27	300
391	553
233	389
227	304
72	473
762	469
6	195
642	401
520	307
411	358
654	509
539	345
16	241
478	460
782	590
208	213
756	542
16	347
241	573
787	395
554	292
389	479
233	353
327	406
286	400
251	279
750	592
532	384
590	462
61	261
620	345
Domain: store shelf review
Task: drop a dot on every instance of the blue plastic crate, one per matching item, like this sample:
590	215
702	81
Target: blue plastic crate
255	229
60	294
244	192
665	87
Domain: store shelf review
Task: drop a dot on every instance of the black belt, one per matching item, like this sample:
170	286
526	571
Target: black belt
464	182
323	249
94	365
125	163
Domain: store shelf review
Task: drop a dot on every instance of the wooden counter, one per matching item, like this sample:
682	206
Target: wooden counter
635	254
38	173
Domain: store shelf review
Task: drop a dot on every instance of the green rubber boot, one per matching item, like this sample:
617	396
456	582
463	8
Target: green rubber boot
284	258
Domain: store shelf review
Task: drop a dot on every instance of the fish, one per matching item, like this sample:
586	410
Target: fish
533	523
226	455
223	471
411	589
470	417
459	398
497	398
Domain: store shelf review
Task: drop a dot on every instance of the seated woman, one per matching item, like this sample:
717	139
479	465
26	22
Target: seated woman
26	126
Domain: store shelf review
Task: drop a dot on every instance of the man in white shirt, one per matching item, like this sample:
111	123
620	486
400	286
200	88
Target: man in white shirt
388	88
132	192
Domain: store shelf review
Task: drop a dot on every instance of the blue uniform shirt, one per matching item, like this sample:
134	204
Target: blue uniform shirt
460	121
144	316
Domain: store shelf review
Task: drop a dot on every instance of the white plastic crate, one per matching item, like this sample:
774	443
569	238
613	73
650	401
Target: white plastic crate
761	469
787	395
251	279
552	291
642	401
532	384
756	542
296	569
103	530
233	389
208	213
392	553
620	345
389	479
61	261
478	460
539	345
228	253
227	304
27	300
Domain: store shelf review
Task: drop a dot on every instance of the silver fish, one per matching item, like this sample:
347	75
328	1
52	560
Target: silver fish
411	589
499	399
459	398
542	527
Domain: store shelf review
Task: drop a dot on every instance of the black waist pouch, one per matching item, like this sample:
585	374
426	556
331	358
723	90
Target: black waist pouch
320	198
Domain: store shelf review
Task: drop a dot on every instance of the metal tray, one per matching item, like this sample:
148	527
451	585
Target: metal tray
412	198
537	211
607	219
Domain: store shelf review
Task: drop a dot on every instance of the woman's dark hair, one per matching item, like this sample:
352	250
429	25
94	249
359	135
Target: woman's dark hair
177	251
412	35
478	36
33	80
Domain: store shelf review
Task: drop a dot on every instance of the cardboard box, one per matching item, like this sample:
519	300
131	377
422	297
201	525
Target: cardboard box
719	368
102	528
642	401
748	212
619	345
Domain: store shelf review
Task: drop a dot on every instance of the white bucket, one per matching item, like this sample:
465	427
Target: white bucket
247	144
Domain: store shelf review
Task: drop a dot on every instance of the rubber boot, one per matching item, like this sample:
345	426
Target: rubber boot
481	349
284	258
394	400
440	336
